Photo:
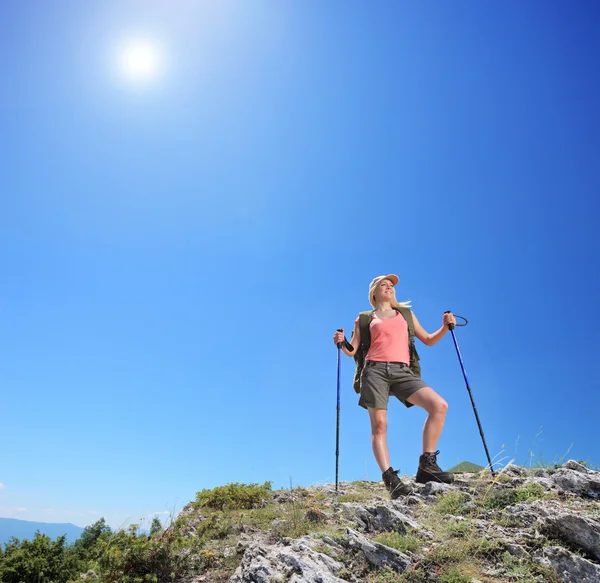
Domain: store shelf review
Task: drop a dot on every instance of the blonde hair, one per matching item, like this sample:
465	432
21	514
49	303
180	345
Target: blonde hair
395	303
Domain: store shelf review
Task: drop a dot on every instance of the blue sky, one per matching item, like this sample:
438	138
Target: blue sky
176	254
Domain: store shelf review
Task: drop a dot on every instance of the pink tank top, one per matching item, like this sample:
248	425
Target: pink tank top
389	340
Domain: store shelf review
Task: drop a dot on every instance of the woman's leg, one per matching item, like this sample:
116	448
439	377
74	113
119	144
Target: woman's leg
436	408
379	438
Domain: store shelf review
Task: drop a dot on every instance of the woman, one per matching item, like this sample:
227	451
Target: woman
386	372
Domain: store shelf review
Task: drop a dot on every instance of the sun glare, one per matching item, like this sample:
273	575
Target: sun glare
140	61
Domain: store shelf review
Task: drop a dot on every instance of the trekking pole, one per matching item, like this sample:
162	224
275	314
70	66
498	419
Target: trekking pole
337	423
462	366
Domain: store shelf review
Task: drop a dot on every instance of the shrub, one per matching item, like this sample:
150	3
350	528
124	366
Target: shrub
40	559
135	558
235	496
216	526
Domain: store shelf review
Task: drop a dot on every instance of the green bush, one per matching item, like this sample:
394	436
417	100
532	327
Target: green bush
128	557
235	496
40	559
217	526
86	547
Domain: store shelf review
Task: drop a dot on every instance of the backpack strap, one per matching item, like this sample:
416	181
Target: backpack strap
364	323
407	314
414	355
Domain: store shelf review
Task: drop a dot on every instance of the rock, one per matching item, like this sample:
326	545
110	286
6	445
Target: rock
546	482
550	516
568	518
380	518
296	563
514	470
343	488
492	572
568	566
376	554
573	465
580	531
229	551
517	551
528	513
435	488
455	518
316	515
578	482
332	543
285	497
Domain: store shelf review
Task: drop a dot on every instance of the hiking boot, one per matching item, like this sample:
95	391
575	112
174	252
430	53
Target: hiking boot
429	471
394	484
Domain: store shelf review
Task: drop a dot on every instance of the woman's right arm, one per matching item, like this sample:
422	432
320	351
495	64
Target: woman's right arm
354	342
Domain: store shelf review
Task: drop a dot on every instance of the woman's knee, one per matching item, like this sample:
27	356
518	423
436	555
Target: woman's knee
379	426
440	407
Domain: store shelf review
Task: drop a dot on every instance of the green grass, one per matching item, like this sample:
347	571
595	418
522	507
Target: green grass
260	517
452	503
400	542
503	498
217	526
388	575
454	576
525	571
458	528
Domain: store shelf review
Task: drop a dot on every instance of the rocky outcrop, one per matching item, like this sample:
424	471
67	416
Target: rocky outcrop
542	521
291	561
569	567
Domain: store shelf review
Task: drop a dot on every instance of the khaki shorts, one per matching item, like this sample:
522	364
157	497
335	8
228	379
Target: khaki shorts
379	380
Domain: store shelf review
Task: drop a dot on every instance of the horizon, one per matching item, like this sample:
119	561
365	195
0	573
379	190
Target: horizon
196	197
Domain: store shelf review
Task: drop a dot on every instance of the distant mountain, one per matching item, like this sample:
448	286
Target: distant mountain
465	468
25	529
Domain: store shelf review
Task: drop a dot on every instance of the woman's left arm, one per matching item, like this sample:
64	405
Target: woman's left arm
430	339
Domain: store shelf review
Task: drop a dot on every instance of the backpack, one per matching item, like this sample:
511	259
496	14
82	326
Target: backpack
364	321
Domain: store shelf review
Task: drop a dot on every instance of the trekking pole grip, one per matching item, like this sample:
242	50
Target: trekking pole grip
450	326
345	343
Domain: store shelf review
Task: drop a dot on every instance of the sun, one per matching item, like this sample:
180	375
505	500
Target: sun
140	61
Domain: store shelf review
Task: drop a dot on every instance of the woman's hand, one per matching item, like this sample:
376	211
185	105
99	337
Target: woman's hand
338	337
448	318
